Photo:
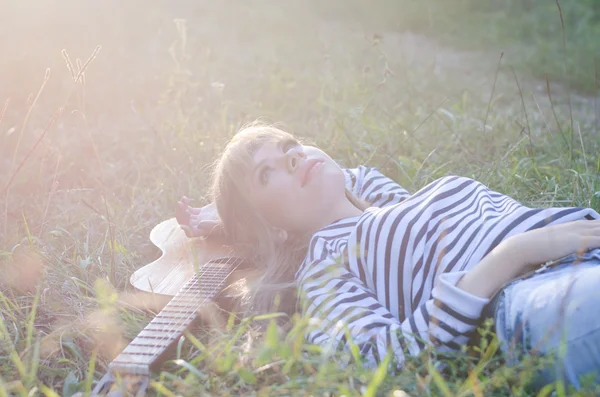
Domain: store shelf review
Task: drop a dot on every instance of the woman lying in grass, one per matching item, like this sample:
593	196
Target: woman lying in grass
401	271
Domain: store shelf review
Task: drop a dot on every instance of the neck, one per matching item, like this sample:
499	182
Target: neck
345	209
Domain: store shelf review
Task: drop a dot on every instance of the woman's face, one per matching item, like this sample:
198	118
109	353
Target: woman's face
295	187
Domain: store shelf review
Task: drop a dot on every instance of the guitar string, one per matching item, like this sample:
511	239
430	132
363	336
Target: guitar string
180	322
213	291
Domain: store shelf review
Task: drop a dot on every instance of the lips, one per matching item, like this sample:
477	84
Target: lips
305	172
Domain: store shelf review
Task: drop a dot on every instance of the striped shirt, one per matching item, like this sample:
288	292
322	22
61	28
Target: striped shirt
387	278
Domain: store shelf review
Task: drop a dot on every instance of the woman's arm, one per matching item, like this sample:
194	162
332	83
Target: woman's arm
518	254
495	269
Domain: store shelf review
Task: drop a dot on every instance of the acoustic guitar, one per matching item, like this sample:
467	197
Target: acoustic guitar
203	268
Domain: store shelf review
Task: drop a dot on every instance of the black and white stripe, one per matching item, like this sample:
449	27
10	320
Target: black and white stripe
388	277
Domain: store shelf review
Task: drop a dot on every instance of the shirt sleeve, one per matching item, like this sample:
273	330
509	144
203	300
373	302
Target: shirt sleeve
371	185
337	303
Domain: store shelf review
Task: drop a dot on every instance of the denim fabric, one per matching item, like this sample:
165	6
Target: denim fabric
554	313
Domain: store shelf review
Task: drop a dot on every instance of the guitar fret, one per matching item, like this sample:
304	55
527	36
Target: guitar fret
154	334
201	280
177	323
129	368
191	299
202	287
150	345
176	313
188	303
213	278
204	293
135	357
155	341
130	353
168	323
198	294
186	313
148	360
153	329
174	316
155	337
210	285
201	290
189	308
175	326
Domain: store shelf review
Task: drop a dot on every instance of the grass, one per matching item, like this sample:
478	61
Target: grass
94	164
556	39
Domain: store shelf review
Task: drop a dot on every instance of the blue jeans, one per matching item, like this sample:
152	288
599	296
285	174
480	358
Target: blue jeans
556	314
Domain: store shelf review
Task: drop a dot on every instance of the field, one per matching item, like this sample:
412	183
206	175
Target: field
111	111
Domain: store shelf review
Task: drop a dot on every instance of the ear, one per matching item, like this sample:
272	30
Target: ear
280	234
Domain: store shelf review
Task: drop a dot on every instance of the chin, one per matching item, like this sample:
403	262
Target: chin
333	178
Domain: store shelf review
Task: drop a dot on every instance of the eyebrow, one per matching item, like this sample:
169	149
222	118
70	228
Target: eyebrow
261	162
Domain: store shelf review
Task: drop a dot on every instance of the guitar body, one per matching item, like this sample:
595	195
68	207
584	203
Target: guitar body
166	275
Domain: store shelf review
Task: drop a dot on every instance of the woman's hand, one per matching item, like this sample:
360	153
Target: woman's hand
198	222
538	246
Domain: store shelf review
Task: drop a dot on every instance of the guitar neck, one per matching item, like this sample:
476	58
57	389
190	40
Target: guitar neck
148	347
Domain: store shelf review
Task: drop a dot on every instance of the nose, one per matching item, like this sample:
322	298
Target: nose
292	158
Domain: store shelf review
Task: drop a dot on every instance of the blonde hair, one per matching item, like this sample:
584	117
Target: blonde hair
276	263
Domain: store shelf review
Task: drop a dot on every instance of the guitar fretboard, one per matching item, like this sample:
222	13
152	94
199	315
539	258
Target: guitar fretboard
168	326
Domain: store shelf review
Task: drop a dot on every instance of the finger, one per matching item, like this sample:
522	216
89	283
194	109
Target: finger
590	223
180	208
181	214
184	201
195	220
207	225
593	231
193	211
592	242
196	210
